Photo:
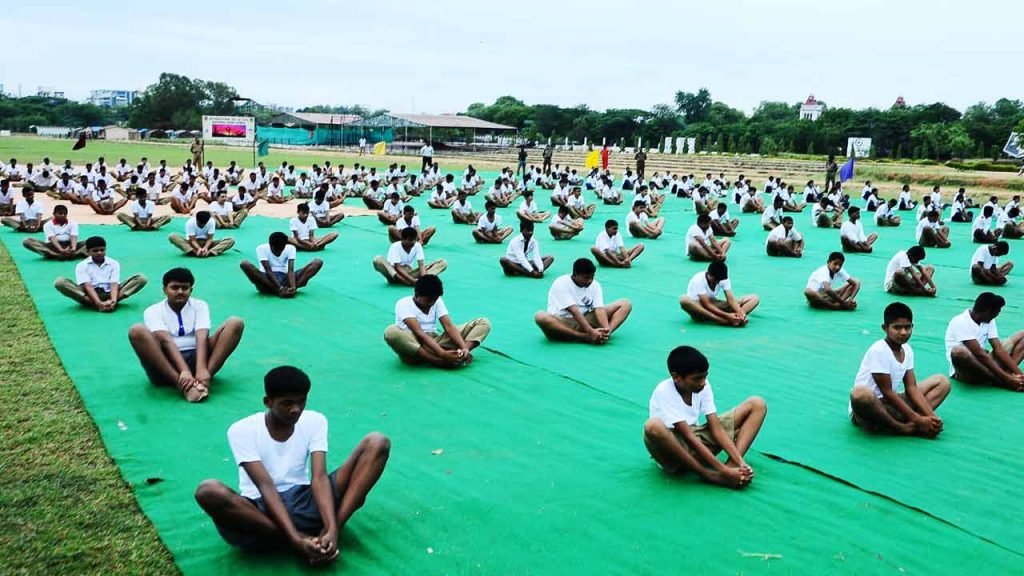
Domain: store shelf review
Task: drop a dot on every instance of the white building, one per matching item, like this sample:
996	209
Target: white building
112	98
810	109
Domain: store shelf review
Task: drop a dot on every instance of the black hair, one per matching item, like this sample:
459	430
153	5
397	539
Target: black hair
527	226
409	233
182	275
787	219
429	285
836	256
609	223
583	267
719	270
1002	246
703	219
303	207
989	302
95	242
277	240
285	381
686	360
202	217
62	209
896	311
915	254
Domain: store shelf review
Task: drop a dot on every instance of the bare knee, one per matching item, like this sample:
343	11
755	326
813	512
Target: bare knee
540	318
234	323
861	396
212	494
138	332
377	444
654	428
757	405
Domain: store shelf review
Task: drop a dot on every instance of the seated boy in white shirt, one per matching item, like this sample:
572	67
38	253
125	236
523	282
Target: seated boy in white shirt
528	209
772	215
702	298
523	256
610	250
563	226
639	224
886	215
701	244
851	234
831	287
576	310
440	200
174	344
488	226
905	275
184	199
985	267
1009	222
224	213
931	233
97	282
968	336
462	208
288	500
887	397
6	198
391	210
721	223
61	238
198	240
410	219
275	191
578	207
675	440
140	214
405	261
981	229
102	200
824	214
28	214
415	338
303	228
276	274
320	210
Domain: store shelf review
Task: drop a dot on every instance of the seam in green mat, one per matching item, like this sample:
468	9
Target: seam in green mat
884	496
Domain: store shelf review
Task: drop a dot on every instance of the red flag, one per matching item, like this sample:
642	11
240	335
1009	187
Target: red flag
81	142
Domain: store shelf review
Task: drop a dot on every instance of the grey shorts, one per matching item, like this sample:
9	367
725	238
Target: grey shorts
301	507
282	278
157	378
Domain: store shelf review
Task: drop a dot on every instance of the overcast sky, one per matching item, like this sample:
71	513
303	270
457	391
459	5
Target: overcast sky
438	56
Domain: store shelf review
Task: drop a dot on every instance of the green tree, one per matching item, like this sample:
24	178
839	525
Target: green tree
694	107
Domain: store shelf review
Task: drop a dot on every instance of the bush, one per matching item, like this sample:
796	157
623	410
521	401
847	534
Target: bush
983	165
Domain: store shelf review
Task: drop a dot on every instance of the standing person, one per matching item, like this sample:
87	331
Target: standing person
549	151
288	500
427	156
197	151
641	161
605	152
831	169
362	146
521	166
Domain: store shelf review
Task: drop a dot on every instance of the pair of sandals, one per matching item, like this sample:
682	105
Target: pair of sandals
194	391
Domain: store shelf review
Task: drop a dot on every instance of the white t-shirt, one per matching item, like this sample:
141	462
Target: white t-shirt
398	255
963	328
62	232
822	277
606	243
100	276
632	218
779	234
182	326
319	210
922	224
303	228
699	285
525	254
565	293
853	231
141	211
33	211
528	207
429	321
1004	219
277	263
487	225
462	207
286	462
770	213
224	210
402	224
668	405
981	223
879	359
192	229
984	257
897	264
694	232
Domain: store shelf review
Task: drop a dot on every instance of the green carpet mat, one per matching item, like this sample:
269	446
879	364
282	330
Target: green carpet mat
543	469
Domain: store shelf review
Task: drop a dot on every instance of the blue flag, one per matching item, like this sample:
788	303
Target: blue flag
846	172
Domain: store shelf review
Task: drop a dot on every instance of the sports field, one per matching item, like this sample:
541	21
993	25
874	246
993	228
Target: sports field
530	461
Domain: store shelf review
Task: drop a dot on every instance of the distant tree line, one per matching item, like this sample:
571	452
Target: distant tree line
934	131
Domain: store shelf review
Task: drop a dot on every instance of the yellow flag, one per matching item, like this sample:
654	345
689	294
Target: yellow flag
593	160
380	148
